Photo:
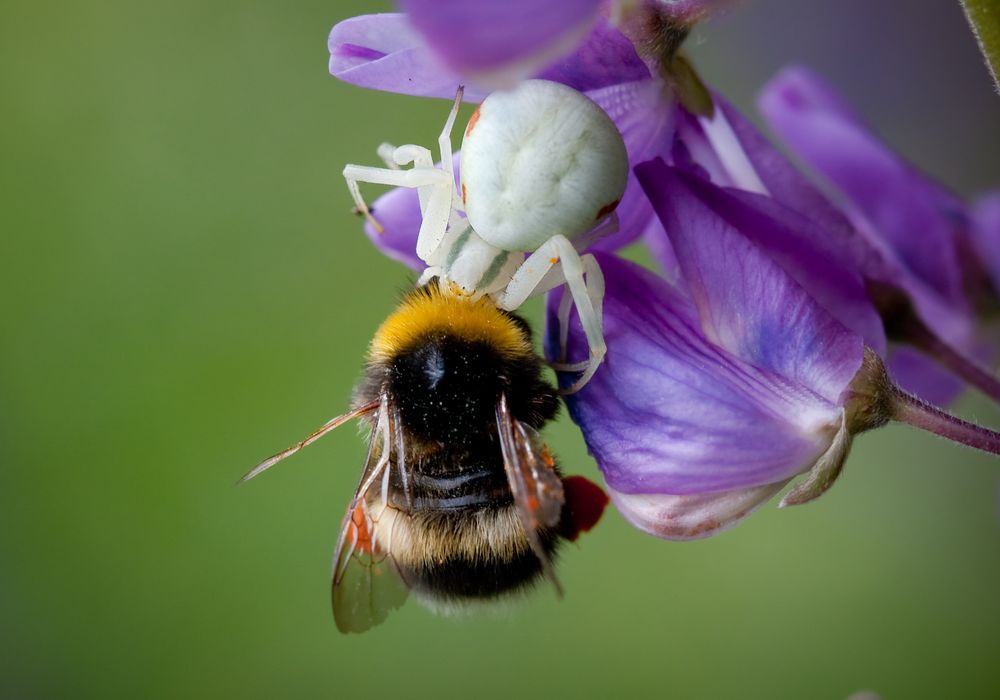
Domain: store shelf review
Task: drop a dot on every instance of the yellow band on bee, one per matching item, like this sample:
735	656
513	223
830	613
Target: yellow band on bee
427	310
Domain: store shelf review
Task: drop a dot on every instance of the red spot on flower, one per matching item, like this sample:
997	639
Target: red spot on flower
585	503
463	194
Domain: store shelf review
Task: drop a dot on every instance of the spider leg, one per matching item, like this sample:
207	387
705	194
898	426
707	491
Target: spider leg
586	286
444	142
435	214
385	151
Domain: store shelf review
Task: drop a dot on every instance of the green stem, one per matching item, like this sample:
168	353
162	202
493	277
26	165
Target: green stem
984	18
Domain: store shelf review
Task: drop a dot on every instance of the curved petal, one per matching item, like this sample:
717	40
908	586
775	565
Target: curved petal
985	234
383	52
795	242
501	41
918	374
693	516
606	57
748	304
917	218
730	151
644	112
809	254
398	210
669	412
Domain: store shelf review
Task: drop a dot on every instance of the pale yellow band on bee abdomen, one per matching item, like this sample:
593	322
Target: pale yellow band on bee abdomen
428	538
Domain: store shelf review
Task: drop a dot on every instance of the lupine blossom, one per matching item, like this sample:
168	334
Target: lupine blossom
924	233
717	396
754	358
386	53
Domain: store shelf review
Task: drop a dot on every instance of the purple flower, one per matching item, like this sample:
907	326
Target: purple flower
920	230
931	330
383	52
495	44
500	42
985	231
759	360
710	402
715	394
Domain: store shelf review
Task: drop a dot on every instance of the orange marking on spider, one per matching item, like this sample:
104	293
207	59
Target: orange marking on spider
472	121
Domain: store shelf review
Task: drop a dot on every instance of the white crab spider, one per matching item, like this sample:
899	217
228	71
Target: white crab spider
542	165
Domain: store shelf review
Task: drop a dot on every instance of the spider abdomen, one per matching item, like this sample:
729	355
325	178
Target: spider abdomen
538	161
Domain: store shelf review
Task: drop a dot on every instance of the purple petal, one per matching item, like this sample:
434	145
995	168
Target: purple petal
985	234
748	304
916	217
918	374
481	37
398	210
693	516
805	251
670	412
605	58
644	113
808	253
384	52
732	152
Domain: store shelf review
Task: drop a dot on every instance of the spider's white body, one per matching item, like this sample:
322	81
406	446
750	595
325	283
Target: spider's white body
541	166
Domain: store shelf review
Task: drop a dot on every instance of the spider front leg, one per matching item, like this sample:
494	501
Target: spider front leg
436	212
444	143
538	274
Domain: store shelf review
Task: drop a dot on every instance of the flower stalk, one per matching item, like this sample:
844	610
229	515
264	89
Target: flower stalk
922	338
904	325
872	400
909	409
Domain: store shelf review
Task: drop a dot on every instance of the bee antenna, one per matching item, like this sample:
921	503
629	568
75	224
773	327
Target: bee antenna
326	428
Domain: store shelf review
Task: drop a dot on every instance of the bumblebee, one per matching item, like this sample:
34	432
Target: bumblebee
459	500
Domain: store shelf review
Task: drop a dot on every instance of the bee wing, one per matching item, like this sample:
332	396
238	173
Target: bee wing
536	487
365	582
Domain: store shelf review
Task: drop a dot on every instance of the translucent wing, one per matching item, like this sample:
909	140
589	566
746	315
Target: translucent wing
365	583
534	483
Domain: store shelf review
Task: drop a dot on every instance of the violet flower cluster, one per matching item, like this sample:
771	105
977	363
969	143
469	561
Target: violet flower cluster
768	337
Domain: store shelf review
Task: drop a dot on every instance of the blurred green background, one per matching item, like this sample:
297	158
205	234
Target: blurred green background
185	292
